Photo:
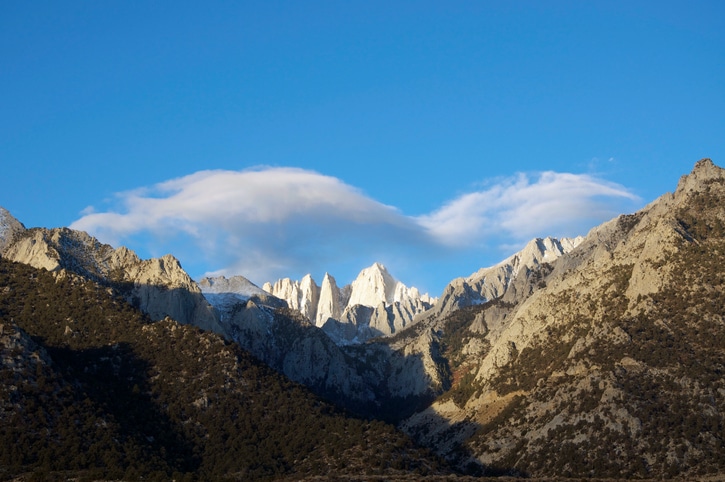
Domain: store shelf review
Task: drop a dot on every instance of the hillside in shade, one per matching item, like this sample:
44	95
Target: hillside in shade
92	387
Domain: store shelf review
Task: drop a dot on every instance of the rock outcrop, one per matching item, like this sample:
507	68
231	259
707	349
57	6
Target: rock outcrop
9	228
302	295
225	294
332	301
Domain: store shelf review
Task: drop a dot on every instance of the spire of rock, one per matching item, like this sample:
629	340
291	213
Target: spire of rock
330	304
302	295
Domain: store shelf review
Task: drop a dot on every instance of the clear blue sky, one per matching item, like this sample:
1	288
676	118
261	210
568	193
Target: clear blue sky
278	138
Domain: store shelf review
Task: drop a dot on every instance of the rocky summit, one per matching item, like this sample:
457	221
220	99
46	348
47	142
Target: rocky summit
374	304
597	357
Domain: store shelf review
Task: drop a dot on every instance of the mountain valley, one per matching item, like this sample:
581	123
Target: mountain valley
601	356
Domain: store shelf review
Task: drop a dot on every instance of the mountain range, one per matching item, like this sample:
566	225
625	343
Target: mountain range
600	356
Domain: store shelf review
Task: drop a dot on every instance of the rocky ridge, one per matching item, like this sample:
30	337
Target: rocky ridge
94	390
490	283
374	304
616	348
159	286
233	307
547	363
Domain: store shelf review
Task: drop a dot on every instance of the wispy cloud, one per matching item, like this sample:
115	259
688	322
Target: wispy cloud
526	206
268	222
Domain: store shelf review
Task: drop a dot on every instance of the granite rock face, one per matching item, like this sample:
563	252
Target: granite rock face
9	228
374	304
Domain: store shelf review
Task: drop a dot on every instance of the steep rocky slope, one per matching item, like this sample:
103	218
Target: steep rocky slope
608	363
240	311
594	357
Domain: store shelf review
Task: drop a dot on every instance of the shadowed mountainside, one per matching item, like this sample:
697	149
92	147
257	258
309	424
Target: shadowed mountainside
92	387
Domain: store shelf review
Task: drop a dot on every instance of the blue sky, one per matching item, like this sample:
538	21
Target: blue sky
278	138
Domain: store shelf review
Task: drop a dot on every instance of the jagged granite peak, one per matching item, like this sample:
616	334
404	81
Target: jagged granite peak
393	305
9	228
492	282
300	295
332	301
310	296
705	172
372	286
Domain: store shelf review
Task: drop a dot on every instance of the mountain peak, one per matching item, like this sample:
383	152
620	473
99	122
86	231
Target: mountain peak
379	267
704	164
9	227
372	286
704	173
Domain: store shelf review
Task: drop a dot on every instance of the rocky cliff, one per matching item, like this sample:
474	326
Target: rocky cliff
9	228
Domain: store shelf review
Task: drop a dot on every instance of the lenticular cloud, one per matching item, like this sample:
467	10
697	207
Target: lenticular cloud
232	200
254	221
281	219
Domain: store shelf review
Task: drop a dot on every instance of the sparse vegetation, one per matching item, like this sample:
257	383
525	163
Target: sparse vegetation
120	397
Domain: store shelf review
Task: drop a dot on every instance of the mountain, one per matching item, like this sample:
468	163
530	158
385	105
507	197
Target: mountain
159	287
375	304
224	293
593	357
238	310
372	379
490	283
608	362
332	301
93	389
302	296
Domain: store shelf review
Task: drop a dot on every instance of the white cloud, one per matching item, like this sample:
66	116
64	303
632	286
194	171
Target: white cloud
271	222
255	221
523	207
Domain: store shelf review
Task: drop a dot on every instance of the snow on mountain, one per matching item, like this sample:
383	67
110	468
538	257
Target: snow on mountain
224	293
238	285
